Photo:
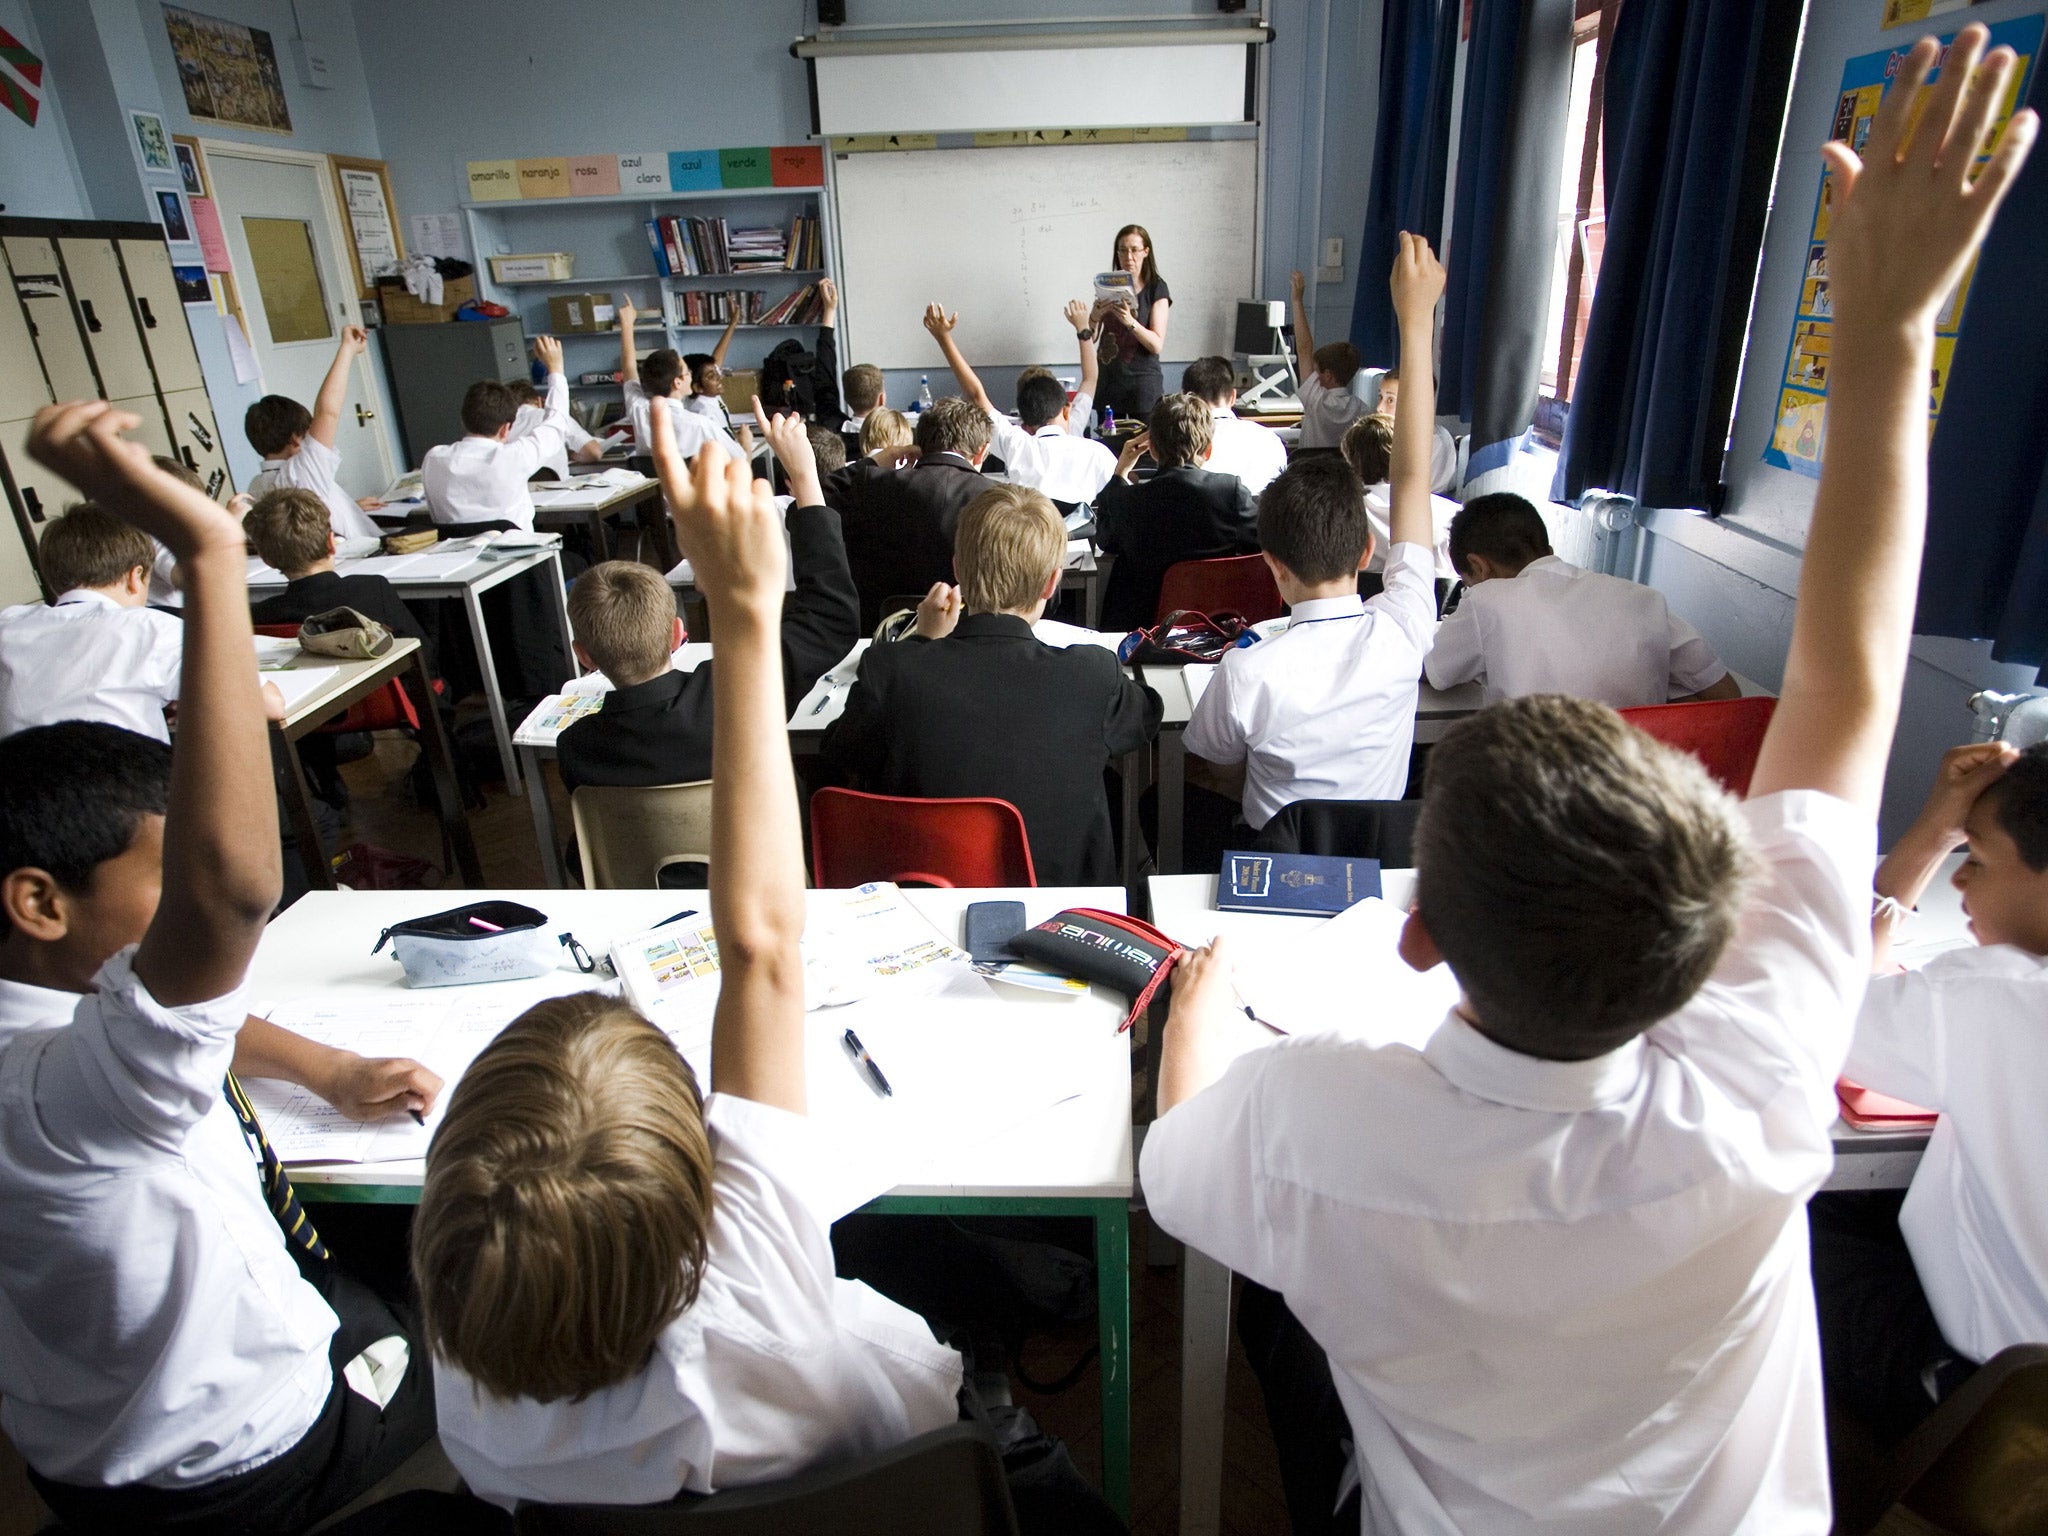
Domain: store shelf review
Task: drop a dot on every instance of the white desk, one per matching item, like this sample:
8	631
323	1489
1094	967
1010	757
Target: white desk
465	573
1072	1159
587	506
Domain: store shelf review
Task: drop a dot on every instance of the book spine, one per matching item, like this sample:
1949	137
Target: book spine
660	255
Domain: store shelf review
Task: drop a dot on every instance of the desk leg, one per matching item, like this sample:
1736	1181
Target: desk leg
1204	1360
1091	599
1136	771
1113	1314
561	610
600	541
654	515
1173	778
543	820
493	694
441	765
298	804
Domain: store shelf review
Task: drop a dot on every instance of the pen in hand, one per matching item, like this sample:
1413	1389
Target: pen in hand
866	1063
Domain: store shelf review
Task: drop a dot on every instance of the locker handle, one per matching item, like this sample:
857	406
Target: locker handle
92	321
191	462
148	319
30	500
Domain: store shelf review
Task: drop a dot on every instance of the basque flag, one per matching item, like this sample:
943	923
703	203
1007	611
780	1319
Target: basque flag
27	70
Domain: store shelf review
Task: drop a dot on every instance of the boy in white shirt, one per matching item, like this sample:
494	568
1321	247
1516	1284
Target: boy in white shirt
1554	1261
482	478
166	1358
298	446
1253	453
1368	447
575	443
1328	404
1443	448
1532	623
1913	1298
660	375
628	1287
1038	449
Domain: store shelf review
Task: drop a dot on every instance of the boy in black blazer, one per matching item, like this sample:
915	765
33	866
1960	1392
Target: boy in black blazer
977	705
655	726
1184	512
291	531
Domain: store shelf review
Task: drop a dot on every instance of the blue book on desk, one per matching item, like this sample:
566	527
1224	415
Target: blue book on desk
1294	884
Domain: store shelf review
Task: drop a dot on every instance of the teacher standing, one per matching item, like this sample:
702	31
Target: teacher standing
1133	339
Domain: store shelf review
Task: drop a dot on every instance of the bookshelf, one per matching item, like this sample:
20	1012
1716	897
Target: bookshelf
608	238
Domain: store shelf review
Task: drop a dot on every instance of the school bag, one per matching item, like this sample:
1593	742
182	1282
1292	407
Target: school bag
790	380
1185	636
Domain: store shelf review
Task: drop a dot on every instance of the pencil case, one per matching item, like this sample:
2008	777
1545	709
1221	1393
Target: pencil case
345	633
485	941
1118	951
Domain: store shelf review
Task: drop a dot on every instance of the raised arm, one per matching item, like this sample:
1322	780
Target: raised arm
221	868
334	388
725	341
831	408
941	324
1418	282
1304	334
535	448
1091	369
727	525
629	359
1906	222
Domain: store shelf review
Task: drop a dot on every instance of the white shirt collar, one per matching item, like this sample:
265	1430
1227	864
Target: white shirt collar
1488	1070
1543	563
23	1006
1326	608
86	595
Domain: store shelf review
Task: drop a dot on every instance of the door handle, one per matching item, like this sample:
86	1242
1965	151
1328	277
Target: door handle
363	417
92	321
148	319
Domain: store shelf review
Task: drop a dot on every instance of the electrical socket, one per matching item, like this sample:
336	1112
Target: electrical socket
1333	251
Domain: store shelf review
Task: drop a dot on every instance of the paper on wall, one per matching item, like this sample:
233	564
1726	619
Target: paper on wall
239	351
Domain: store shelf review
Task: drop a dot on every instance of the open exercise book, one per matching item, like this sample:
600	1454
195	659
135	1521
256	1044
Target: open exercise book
964	1064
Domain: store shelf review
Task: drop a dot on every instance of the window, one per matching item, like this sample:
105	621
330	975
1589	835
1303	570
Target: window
1582	209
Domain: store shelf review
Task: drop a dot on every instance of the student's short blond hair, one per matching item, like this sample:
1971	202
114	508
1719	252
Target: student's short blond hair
1368	447
290	529
1008	544
1581	878
885	428
623	614
1036	371
862	385
1182	427
90	547
567	1206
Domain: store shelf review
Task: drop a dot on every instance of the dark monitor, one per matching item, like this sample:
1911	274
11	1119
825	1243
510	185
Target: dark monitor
1258	327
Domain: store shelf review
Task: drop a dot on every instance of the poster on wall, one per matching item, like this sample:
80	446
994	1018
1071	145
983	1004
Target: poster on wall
229	71
1801	430
21	79
1899	13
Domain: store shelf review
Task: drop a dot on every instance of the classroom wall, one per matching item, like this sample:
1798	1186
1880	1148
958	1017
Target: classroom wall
1735	577
38	170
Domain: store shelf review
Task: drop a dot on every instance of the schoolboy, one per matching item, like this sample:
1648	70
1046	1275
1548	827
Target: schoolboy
1554	1262
628	1286
883	429
1253	453
163	585
291	535
976	705
661	376
1532	623
1184	512
862	391
298	446
1328	403
100	652
707	378
163	1360
1038	450
656	723
1443	448
482	478
575	444
1368	447
1914	1297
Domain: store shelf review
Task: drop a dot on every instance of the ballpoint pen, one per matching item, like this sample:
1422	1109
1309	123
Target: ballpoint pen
866	1063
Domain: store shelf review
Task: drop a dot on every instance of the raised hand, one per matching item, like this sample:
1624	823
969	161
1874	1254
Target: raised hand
627	314
1134	450
938	322
939	611
1297	286
354	339
82	441
726	523
1417	279
1077	315
828	295
549	351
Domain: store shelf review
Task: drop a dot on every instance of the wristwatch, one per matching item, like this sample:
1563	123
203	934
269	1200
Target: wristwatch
1087	335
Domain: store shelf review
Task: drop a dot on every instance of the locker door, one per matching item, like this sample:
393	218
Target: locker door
162	316
111	329
47	303
152	433
42	493
23	390
197	441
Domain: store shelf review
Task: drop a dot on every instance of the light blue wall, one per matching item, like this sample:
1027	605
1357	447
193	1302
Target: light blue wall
38	172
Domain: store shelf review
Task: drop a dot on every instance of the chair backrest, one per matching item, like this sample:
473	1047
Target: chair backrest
626	837
388	709
1235	584
858	837
1979	1465
946	1483
1724	734
1344	829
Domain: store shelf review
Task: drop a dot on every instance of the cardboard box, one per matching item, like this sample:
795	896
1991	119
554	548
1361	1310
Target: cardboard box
739	389
579	314
401	308
538	267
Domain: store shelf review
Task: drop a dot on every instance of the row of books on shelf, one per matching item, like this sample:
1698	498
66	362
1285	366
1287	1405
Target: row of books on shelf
691	307
689	247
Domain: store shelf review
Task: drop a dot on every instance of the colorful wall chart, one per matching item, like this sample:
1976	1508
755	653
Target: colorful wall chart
1797	440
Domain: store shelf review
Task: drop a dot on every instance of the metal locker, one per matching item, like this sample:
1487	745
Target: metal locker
111	329
161	314
39	282
197	441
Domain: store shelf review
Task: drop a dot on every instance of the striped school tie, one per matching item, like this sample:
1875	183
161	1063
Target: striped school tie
283	1200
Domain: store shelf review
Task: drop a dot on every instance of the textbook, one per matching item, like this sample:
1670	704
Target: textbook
1294	884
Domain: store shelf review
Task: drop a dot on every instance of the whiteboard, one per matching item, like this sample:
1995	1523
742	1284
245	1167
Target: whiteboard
1007	236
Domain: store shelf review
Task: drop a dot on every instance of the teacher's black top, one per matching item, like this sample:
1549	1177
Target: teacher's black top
1133	355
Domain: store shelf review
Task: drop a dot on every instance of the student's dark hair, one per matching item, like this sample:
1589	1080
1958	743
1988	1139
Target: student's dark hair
659	370
488	405
862	386
524	391
697	362
1502	528
72	794
1209	378
1040	400
178	470
90	547
2019	799
1580	877
1148	272
272	422
827	447
952	425
1368	447
1182	430
1312	519
1340	359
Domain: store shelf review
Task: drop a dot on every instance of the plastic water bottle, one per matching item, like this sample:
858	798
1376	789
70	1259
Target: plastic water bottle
924	392
1108	422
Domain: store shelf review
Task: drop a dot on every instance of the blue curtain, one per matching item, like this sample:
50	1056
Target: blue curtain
1985	573
1518	78
1692	110
1410	155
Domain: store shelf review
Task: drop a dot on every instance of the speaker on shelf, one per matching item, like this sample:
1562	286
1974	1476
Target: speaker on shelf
831	13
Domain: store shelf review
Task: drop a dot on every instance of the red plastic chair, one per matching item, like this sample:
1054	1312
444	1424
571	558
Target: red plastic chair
1724	734
1237	584
388	709
976	843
